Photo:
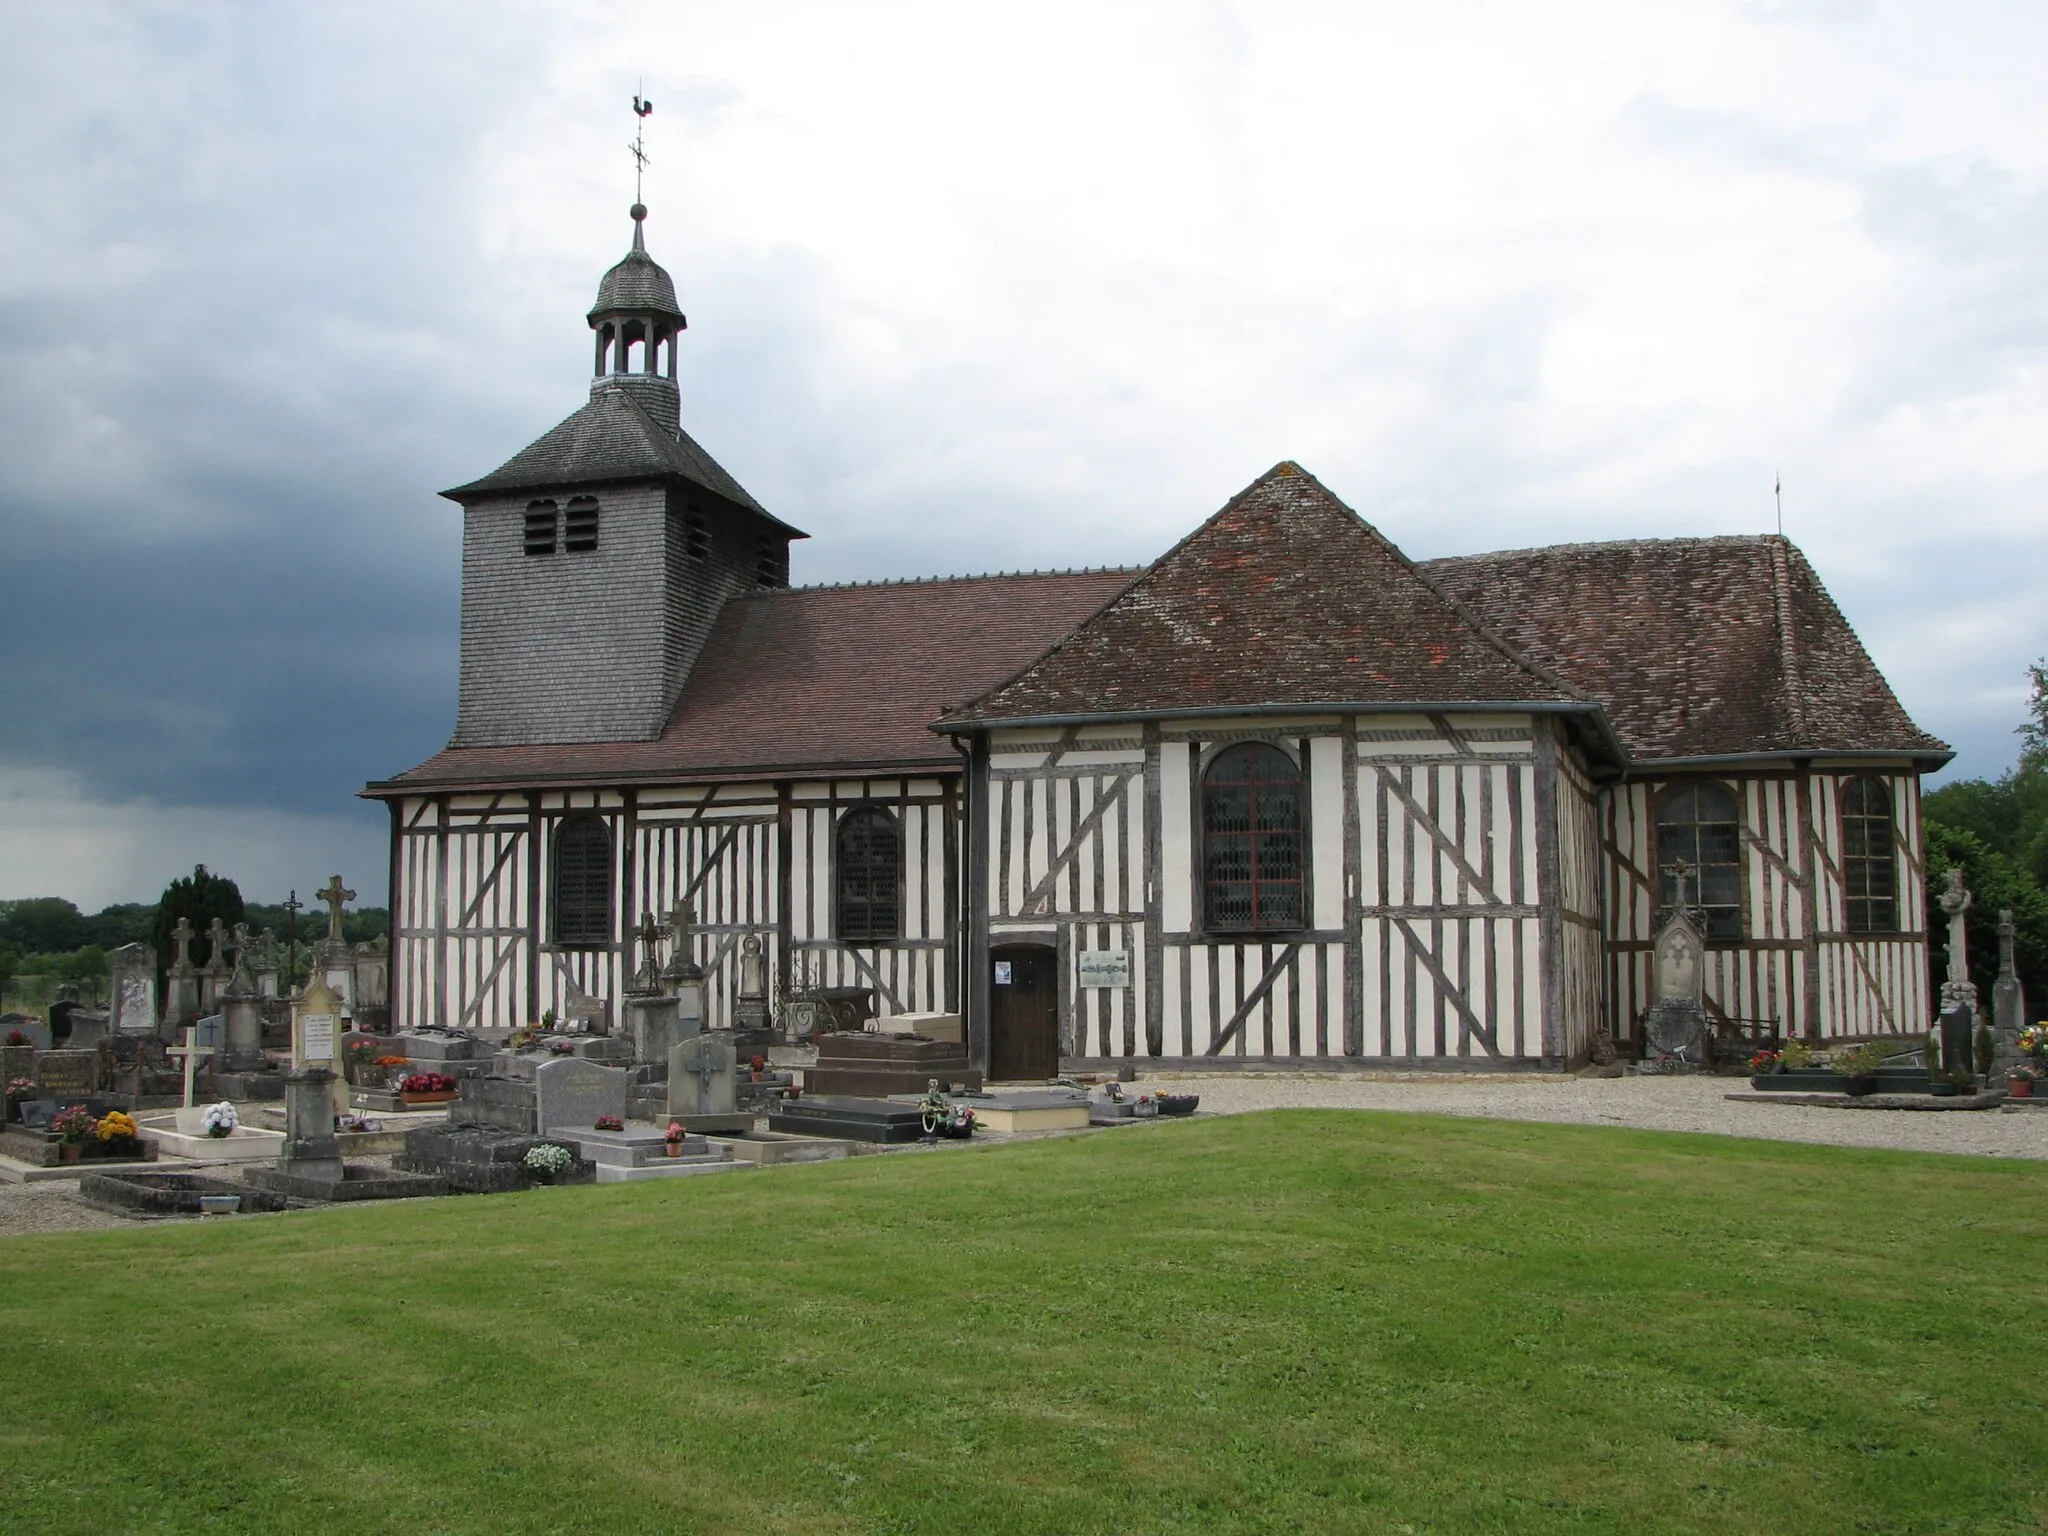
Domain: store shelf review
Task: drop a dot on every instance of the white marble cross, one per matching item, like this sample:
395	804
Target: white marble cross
192	1054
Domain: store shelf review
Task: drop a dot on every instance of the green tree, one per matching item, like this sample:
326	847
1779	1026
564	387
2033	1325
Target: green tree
128	922
41	924
198	898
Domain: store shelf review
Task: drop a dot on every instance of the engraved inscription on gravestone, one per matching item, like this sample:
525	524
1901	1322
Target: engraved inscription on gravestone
570	1094
67	1072
316	1042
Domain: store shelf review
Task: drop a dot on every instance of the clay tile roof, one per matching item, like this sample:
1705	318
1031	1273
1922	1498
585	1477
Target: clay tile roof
610	439
1696	647
817	679
1285	597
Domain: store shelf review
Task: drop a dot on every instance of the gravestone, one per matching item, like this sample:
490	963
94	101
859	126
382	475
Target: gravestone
571	1094
35	1034
2008	1000
1675	1031
425	1046
702	1091
332	962
1955	903
373	985
58	1073
316	1036
310	1148
58	1014
88	1028
263	963
241	1019
194	1051
181	984
750	1013
131	989
653	1025
216	971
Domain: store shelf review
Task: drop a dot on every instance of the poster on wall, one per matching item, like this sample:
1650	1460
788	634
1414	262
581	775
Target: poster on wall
1104	967
1002	973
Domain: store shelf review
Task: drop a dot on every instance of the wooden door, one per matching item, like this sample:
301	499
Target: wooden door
1024	1019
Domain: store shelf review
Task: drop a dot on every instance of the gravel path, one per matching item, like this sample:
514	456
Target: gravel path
1647	1103
53	1206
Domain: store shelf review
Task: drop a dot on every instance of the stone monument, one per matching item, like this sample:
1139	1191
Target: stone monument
570	1094
332	962
1958	992
2008	1000
181	985
750	1014
242	1017
311	1150
701	1085
1675	1032
316	1039
215	971
131	989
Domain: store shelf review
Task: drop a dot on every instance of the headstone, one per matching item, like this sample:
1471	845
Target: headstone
422	1046
316	1036
35	1034
310	1148
241	1043
88	1028
181	984
263	963
572	1093
653	1026
1675	1031
701	1088
2008	1000
646	978
373	984
58	1073
58	1014
750	1012
1958	1025
131	989
216	970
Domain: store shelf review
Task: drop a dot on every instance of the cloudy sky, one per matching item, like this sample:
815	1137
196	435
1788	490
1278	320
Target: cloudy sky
970	288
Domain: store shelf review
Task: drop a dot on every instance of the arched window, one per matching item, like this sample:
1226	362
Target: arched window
1869	872
870	875
582	906
1251	841
1697	827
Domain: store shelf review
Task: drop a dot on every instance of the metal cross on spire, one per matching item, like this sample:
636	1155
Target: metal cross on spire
641	108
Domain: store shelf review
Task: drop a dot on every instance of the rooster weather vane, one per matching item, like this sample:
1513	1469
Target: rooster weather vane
641	107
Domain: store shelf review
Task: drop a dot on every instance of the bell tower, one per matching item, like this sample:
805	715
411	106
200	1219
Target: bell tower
637	324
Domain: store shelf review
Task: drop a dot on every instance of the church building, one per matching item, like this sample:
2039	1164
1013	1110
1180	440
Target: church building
1283	794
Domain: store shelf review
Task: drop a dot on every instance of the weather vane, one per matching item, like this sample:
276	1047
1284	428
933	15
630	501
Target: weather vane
640	110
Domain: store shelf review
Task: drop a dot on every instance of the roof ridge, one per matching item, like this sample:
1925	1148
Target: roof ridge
1576	544
929	581
1788	644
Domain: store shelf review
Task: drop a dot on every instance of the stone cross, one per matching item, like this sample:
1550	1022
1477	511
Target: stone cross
682	964
217	932
335	897
181	940
1679	870
192	1054
647	977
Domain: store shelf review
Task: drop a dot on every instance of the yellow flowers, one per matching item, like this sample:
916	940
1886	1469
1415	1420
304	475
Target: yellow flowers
114	1125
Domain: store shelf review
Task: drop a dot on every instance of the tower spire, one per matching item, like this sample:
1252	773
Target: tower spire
641	107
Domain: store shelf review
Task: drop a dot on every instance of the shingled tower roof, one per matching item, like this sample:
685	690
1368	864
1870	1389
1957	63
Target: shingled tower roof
1284	598
1697	648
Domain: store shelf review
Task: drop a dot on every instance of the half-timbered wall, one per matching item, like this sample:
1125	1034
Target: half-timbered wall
473	885
1422	905
915	972
1577	930
1788	971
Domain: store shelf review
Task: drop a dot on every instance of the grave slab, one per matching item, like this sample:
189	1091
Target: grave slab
848	1118
572	1094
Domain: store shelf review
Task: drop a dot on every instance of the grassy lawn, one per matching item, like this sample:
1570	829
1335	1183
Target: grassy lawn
1309	1321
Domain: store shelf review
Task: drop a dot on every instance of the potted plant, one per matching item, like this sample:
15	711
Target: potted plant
16	1037
72	1126
393	1068
1178	1103
1146	1107
547	1162
608	1123
117	1133
1763	1064
673	1138
427	1088
220	1119
2020	1080
2034	1042
18	1088
756	1065
1856	1066
562	1047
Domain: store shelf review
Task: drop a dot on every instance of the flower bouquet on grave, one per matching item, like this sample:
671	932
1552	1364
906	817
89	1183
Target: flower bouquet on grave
2020	1080
2034	1041
220	1119
548	1162
1178	1103
608	1123
16	1037
673	1138
1763	1063
756	1065
562	1047
74	1125
427	1088
117	1131
1857	1066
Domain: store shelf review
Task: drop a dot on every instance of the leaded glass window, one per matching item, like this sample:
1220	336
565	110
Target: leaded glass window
582	908
1869	870
870	875
1697	827
1251	841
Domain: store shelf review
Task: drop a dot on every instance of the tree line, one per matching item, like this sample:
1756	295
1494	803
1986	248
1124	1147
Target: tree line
49	939
1997	829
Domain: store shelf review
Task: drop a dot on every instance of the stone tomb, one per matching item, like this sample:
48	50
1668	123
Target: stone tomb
852	1119
625	1157
877	1065
59	1074
571	1094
